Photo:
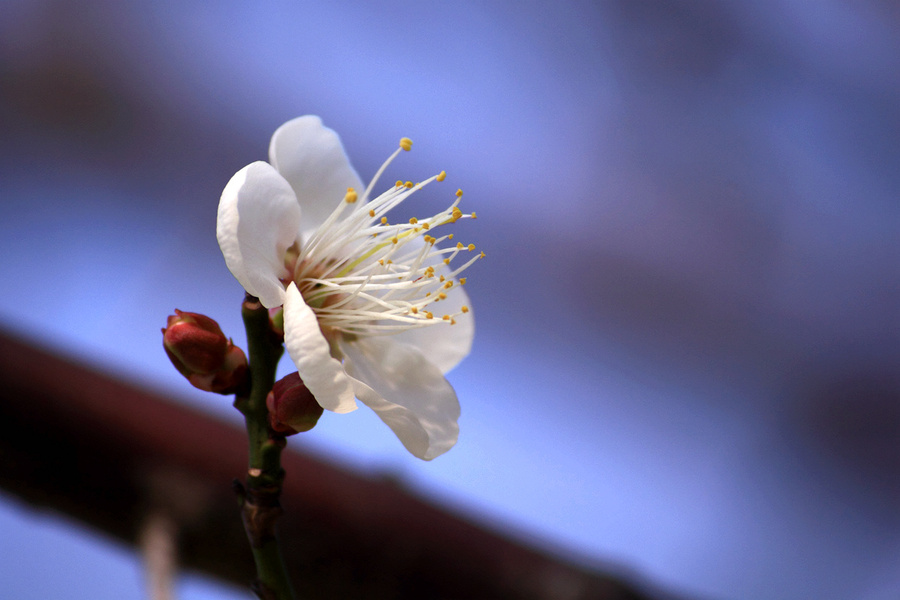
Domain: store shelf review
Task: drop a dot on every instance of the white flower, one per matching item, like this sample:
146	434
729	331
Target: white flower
371	309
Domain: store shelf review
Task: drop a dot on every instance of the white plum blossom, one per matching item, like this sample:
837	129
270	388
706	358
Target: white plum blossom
372	309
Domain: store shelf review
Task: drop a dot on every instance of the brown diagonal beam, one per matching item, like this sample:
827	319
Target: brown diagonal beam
109	454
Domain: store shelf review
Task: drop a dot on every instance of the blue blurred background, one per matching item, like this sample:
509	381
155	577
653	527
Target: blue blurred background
687	357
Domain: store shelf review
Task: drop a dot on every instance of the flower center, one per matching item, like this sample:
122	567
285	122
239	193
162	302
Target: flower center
362	274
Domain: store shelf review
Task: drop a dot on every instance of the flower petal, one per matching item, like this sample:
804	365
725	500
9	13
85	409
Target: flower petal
258	220
310	156
406	391
323	375
445	345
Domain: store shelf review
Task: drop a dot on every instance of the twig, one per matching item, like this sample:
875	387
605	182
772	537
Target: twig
260	507
160	555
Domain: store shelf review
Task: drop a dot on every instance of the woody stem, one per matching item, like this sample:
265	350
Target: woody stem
260	506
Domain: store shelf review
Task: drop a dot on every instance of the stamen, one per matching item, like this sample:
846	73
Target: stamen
381	170
359	275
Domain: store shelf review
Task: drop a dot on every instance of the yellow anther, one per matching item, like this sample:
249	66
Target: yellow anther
390	262
446	261
409	185
481	255
350	197
442	278
429	239
398	184
473	215
441	176
462	281
384	220
456	215
428	315
450	237
442	296
414	310
426	226
453	321
406	144
471	247
413	221
459	193
371	213
395	239
381	261
448	285
464	308
459	245
446	317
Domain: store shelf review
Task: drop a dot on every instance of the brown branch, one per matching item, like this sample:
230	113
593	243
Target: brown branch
106	453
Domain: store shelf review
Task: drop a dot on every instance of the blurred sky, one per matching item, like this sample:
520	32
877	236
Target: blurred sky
687	356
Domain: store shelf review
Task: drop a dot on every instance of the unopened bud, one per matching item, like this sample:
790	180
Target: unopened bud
276	321
200	351
292	407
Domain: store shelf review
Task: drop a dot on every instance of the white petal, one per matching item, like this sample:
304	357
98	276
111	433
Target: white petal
445	345
323	375
406	391
310	156
258	220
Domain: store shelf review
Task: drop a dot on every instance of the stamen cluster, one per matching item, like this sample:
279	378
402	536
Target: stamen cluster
362	274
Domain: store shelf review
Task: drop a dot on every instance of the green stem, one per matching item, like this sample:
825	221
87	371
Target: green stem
260	506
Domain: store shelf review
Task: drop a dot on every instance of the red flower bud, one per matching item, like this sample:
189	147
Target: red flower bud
292	407
200	351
